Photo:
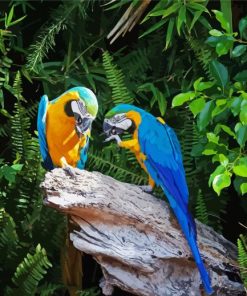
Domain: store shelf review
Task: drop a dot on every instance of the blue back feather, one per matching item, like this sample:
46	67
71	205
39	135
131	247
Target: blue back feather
41	125
165	165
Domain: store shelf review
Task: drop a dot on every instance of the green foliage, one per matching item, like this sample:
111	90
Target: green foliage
214	104
242	257
201	208
203	67
29	273
115	78
89	292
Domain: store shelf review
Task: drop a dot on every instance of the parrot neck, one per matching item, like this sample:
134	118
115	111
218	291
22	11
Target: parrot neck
136	118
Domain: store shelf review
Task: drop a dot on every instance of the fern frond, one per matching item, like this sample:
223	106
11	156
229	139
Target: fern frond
97	162
95	291
201	208
46	40
203	54
115	77
48	289
29	273
136	63
8	236
242	257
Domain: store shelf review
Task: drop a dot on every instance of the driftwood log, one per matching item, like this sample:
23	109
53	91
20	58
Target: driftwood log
136	239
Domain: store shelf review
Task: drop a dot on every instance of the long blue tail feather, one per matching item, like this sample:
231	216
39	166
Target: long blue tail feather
189	231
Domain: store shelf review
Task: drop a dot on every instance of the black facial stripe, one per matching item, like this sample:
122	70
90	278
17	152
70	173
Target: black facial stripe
68	109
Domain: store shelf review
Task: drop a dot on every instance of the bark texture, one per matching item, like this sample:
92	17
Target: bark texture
136	239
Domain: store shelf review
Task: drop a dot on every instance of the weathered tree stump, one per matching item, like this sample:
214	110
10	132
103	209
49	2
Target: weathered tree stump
136	239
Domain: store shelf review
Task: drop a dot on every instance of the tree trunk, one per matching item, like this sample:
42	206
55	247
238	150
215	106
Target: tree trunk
136	239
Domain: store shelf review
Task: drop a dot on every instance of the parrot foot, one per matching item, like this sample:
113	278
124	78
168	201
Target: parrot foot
146	188
69	170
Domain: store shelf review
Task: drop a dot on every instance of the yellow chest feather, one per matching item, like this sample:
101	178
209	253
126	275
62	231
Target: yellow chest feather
62	140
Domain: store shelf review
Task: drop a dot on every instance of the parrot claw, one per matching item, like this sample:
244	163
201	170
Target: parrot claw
69	170
146	188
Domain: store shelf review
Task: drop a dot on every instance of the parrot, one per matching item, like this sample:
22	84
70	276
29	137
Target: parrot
64	126
157	149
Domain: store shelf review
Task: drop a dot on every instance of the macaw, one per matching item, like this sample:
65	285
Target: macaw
157	150
64	126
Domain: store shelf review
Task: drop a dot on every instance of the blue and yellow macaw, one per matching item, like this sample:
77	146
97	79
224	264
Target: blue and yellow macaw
64	126
157	149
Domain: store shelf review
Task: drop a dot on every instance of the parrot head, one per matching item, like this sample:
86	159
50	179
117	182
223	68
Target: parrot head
81	103
117	121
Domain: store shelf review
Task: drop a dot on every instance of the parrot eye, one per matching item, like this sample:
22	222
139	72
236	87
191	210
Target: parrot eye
79	120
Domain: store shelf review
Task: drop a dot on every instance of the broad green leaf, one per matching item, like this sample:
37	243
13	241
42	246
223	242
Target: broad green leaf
221	102
169	32
215	33
241	133
243	188
219	170
195	84
213	138
241	76
180	99
226	8
218	109
209	151
239	50
220	73
221	181
197	105
243	28
181	18
154	27
240	170
223	47
17	166
221	19
225	128
243	114
200	85
235	105
223	159
161	102
9	173
204	117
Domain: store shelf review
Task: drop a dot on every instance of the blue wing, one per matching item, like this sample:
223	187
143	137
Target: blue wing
83	156
164	163
41	125
160	144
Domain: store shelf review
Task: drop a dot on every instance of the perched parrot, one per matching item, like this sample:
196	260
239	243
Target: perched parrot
64	126
157	150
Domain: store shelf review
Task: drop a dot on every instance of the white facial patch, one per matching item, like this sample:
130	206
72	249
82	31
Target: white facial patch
75	108
122	122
